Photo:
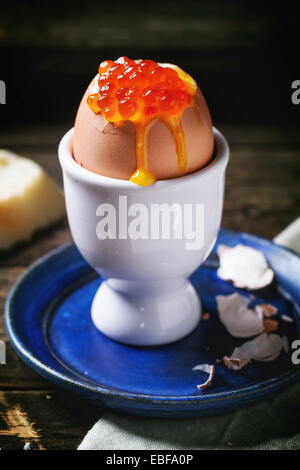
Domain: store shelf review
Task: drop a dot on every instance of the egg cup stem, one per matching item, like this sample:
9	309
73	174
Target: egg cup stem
146	313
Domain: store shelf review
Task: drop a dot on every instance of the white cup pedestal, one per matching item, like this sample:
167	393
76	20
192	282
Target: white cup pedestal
146	314
145	298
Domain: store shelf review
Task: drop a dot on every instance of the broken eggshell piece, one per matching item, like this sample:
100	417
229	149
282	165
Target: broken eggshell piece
265	347
244	266
238	319
267	310
208	369
270	325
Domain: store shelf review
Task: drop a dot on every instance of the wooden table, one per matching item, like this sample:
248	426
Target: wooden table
262	197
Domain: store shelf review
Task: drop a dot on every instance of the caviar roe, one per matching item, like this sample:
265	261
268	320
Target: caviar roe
133	90
142	91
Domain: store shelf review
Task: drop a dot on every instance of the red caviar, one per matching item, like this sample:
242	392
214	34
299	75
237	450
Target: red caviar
142	91
144	85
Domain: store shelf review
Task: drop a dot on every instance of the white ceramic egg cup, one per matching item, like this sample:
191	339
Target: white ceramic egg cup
146	297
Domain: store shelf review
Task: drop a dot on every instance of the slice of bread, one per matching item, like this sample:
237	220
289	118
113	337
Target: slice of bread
29	199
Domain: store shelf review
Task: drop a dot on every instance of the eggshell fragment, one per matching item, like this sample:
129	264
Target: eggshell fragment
285	344
268	347
205	316
244	266
234	363
270	325
238	319
265	347
287	319
267	310
208	369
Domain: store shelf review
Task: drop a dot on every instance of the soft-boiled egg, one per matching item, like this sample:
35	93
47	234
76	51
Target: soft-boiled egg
109	147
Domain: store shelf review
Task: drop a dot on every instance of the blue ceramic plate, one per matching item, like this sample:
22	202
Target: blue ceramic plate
48	322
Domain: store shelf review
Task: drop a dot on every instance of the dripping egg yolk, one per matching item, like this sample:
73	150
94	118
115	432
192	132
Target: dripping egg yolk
143	93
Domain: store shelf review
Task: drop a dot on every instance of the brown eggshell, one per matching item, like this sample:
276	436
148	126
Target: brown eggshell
104	148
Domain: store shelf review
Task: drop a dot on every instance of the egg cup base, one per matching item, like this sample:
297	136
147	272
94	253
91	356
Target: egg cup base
152	316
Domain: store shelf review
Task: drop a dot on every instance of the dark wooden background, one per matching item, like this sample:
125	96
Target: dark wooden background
244	57
243	54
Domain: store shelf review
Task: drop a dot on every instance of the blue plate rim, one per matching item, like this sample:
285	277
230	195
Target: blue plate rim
65	381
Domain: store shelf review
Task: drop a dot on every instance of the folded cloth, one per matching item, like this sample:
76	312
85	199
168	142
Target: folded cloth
271	424
290	237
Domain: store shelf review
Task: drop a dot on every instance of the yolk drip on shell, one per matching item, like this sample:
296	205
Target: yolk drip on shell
143	92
